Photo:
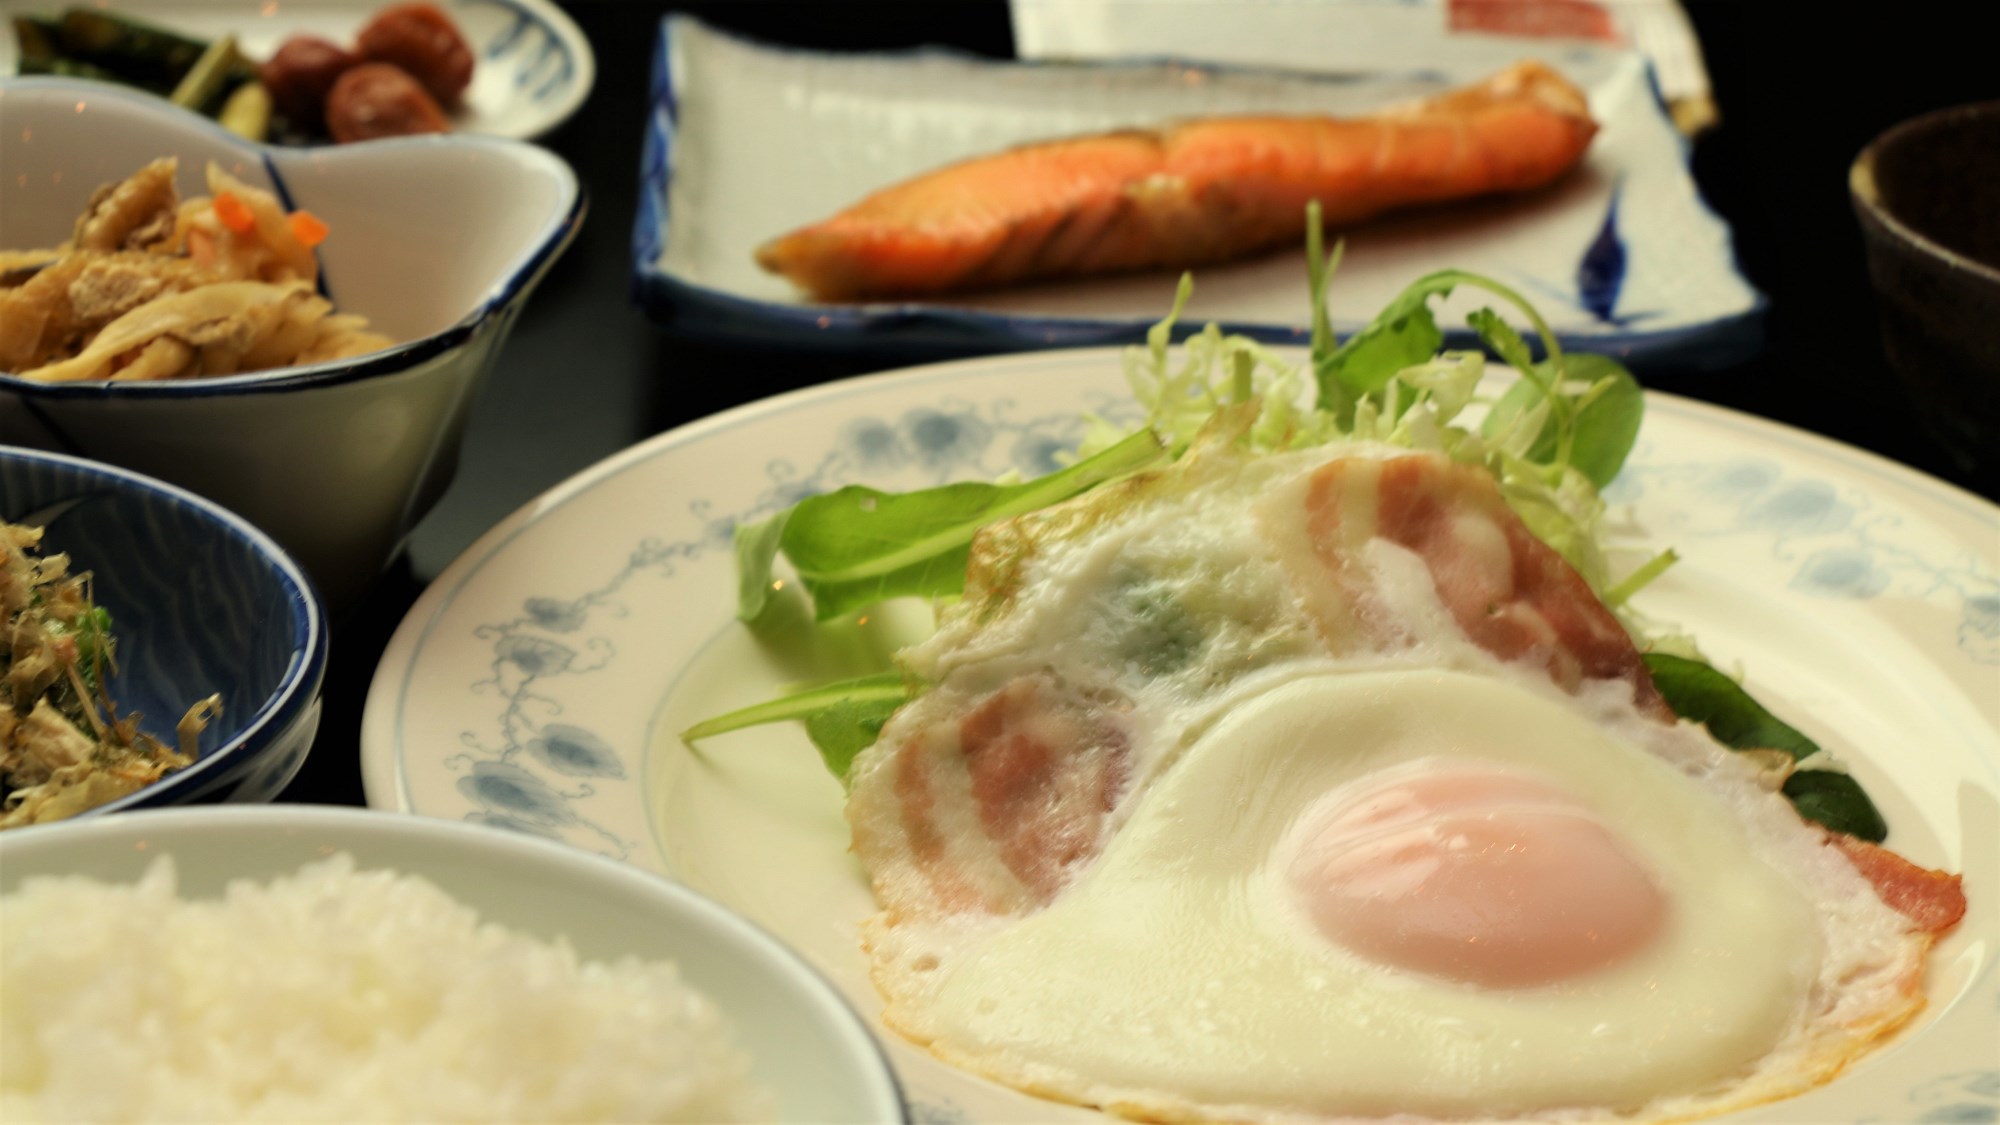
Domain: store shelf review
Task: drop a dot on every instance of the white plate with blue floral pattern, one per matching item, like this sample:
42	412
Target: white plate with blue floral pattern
541	682
533	66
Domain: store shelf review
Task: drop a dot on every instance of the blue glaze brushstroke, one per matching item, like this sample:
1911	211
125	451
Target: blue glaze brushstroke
1600	275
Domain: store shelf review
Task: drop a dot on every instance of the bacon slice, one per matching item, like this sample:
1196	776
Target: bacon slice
992	803
1043	811
1933	900
1512	594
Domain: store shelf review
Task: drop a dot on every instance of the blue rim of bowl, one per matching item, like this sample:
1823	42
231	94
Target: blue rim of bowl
296	692
559	234
560	93
506	845
928	330
561	36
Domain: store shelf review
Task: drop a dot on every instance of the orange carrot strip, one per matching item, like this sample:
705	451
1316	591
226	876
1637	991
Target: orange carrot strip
308	228
234	213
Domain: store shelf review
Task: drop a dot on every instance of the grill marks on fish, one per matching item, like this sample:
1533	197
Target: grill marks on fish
1186	194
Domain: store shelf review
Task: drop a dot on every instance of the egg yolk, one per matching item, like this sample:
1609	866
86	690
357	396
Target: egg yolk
1473	873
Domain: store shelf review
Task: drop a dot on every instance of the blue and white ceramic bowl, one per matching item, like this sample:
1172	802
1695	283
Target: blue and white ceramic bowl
533	65
436	240
201	603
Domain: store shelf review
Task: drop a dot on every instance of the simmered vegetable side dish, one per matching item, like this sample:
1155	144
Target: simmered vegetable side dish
408	68
151	287
63	746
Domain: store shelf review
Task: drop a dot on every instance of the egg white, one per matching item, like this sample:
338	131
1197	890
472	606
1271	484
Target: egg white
1173	978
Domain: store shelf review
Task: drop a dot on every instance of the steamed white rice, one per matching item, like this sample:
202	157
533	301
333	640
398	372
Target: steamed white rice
337	995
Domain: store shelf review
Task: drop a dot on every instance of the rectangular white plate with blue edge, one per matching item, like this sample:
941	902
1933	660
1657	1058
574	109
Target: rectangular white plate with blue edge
747	141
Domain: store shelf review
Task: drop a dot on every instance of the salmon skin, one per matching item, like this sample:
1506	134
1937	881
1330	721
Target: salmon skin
1186	194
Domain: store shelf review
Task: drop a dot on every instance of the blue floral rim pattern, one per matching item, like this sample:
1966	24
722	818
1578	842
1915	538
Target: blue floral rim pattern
551	67
527	774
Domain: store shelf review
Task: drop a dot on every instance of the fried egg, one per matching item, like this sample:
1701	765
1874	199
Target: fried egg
1296	789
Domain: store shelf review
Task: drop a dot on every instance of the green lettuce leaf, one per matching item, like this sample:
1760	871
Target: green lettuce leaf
1605	426
1700	693
1403	334
842	719
859	545
1837	801
756	552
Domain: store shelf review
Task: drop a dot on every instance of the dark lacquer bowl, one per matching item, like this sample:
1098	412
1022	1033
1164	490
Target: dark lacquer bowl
1928	196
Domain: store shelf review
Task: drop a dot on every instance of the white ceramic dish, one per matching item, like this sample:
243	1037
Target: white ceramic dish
541	682
437	240
1622	256
534	66
806	1044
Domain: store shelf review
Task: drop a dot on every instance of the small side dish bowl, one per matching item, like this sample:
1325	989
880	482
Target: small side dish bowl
1925	195
436	240
534	66
201	603
806	1045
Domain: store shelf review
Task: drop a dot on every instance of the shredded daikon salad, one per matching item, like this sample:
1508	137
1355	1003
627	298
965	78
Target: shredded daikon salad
1556	435
64	747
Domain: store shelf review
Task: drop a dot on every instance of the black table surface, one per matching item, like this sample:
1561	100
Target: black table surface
1801	89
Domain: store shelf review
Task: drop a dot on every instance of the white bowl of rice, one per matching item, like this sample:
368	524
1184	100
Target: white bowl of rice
300	964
